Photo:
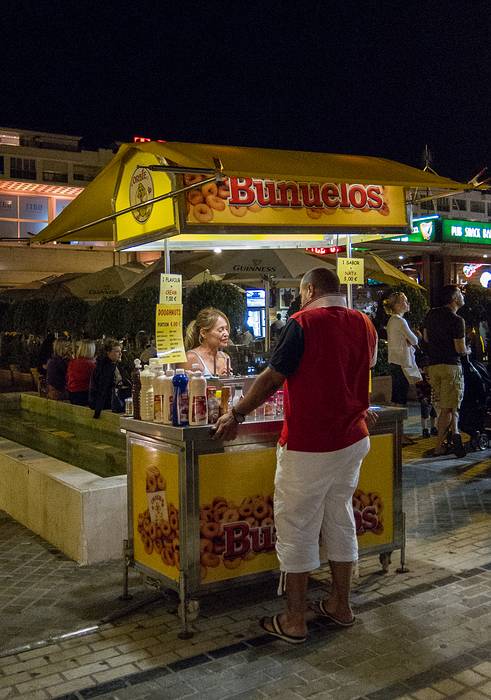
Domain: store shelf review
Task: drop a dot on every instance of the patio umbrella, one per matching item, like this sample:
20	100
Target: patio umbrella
382	271
256	264
107	282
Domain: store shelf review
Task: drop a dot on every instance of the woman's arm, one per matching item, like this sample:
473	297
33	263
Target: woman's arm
411	337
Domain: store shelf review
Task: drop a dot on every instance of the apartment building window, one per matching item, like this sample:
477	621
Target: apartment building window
24	168
443	204
1	165
489	209
52	176
478	207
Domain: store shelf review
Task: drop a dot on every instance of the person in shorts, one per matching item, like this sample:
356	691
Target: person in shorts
322	359
444	333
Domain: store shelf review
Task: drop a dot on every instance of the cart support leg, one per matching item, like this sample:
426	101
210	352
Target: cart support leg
126	563
186	632
403	568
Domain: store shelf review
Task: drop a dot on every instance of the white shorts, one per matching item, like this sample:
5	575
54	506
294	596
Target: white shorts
312	500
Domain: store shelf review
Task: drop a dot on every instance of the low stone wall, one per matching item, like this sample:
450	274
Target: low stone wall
82	514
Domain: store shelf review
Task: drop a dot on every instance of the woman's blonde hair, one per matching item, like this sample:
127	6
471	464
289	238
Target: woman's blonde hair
204	321
62	348
86	348
391	301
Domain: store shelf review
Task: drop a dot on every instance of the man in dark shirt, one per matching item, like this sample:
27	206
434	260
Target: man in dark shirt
444	331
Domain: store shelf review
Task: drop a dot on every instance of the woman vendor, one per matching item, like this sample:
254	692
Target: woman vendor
205	338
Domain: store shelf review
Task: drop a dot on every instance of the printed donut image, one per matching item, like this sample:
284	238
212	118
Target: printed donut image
314	213
191	179
368	511
209	189
215	202
195	197
161	539
202	213
238	211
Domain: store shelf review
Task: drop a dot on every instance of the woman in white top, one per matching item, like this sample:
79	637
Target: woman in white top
401	340
205	338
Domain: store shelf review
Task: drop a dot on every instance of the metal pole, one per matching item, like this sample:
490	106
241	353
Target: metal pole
349	287
267	338
166	256
403	568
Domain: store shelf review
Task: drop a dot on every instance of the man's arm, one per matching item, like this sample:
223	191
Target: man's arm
263	386
460	346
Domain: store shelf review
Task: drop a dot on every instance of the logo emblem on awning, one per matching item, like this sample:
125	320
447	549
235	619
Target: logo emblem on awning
141	190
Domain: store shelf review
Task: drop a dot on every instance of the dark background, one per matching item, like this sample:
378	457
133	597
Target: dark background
374	78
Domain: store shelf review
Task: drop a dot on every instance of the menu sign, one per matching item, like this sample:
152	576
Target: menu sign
350	270
168	333
455	231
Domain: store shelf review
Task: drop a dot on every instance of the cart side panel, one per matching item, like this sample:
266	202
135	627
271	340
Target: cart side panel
236	497
373	502
155	532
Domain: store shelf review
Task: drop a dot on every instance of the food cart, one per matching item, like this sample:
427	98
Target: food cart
200	511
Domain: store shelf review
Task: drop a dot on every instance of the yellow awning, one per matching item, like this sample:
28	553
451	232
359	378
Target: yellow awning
95	202
383	271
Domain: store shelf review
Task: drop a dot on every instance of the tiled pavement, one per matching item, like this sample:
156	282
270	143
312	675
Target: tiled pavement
423	634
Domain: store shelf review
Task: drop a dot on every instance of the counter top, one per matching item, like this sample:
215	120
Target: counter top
251	428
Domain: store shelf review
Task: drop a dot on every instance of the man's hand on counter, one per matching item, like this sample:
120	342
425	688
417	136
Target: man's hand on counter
226	427
371	418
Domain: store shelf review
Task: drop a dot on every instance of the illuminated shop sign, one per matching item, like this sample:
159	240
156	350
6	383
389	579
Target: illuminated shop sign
455	231
423	230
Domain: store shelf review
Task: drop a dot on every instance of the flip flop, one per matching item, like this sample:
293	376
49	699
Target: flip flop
334	621
277	631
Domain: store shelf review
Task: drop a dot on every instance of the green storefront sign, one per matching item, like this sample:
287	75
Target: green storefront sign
423	230
455	231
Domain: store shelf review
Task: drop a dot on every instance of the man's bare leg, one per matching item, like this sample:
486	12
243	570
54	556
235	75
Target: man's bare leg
444	418
293	620
338	603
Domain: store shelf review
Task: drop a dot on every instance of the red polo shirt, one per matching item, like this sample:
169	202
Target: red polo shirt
325	354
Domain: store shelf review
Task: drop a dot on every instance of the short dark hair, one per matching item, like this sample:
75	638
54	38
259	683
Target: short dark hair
324	280
111	343
447	293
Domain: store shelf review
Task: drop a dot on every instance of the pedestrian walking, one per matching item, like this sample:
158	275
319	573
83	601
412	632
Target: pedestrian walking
400	341
444	333
323	359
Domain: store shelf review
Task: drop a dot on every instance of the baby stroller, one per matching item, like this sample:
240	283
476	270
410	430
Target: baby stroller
475	410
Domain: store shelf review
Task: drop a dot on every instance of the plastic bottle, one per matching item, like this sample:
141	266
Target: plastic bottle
237	394
147	396
225	400
213	399
136	389
158	397
198	407
167	397
180	405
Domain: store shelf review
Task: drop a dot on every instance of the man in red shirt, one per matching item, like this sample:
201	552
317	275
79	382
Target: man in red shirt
323	358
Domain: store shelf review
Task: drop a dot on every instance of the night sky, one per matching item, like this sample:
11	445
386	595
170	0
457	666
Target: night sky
369	78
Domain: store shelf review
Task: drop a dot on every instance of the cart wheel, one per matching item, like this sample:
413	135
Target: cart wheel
483	441
192	610
384	559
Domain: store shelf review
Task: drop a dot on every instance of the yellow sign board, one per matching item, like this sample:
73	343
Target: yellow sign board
170	289
168	333
237	535
155	482
139	184
373	501
259	202
351	270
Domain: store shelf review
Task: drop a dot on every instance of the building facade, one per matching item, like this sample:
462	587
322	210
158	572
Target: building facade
40	174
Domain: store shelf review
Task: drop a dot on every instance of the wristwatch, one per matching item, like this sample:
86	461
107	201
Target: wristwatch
238	417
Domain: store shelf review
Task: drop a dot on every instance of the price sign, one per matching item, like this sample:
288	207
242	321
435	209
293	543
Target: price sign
351	270
168	333
170	289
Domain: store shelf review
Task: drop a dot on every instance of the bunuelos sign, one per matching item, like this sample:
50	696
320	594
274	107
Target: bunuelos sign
252	201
